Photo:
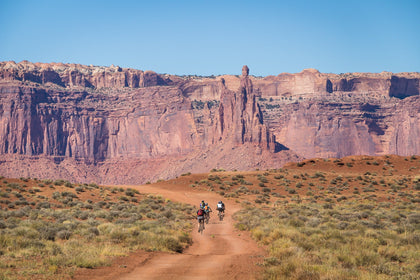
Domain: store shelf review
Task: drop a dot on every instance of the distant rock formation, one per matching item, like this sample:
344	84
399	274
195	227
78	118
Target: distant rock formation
120	125
76	75
240	118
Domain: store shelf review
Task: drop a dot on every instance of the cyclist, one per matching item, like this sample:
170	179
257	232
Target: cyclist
202	204
200	217
221	207
207	209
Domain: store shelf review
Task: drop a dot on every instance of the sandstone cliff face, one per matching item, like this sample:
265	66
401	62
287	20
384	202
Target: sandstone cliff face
310	83
75	75
95	127
114	125
329	129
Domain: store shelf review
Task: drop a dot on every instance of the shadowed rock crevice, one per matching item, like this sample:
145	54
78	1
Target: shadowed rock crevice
402	87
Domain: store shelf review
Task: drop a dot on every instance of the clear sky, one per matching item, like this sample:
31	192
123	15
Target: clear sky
212	37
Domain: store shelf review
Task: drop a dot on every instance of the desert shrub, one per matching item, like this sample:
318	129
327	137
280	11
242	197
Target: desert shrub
93	185
129	192
172	244
94	231
56	195
58	182
43	204
118	235
123	198
414	218
213	177
69	195
87	206
64	234
243	189
185	238
4	194
48	232
262	179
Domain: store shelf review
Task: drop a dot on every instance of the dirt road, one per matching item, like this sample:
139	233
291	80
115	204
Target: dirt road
221	252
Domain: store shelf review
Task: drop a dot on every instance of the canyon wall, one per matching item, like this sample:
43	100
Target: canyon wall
119	125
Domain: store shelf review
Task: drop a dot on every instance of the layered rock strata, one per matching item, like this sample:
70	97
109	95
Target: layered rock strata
119	125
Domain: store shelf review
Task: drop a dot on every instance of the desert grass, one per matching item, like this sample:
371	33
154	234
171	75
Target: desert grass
350	240
387	178
352	218
49	235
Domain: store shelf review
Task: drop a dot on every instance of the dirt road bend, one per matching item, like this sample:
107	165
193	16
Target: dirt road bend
221	252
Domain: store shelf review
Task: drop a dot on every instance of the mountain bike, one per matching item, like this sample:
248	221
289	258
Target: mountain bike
201	226
207	217
221	215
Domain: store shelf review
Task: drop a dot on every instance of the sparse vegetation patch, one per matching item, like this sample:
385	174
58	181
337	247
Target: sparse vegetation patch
358	223
48	236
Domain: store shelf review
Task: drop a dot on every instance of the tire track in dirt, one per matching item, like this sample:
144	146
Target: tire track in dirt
221	252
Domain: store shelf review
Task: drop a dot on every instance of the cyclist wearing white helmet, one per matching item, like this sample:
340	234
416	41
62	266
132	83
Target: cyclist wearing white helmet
220	206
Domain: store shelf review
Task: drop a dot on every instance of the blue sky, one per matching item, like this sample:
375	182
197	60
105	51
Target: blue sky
216	37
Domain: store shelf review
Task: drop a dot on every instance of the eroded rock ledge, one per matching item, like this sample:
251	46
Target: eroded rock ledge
119	125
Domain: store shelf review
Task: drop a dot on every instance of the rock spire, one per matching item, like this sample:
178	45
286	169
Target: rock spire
240	116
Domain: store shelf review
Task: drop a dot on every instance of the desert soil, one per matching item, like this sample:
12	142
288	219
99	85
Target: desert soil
221	252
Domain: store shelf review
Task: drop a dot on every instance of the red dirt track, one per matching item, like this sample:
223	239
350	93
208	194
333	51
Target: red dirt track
221	252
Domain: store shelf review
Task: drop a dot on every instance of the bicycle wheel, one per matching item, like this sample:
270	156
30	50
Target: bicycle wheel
201	228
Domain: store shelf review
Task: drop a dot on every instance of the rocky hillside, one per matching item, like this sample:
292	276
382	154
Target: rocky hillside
118	125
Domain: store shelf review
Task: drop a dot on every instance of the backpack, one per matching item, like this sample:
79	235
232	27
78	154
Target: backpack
220	206
200	212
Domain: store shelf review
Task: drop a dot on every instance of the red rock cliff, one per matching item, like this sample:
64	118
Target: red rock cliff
76	75
118	125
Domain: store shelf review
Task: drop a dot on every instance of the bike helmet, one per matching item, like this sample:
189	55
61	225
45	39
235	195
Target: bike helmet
207	204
